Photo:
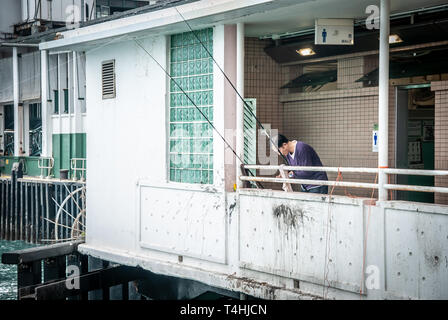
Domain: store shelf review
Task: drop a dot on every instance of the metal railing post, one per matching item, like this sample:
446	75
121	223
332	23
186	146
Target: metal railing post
383	106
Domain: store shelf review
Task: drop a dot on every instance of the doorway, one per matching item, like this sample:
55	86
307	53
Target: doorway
415	139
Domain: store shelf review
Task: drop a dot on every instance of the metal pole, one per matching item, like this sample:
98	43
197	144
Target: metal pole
14	44
383	108
239	102
15	79
44	103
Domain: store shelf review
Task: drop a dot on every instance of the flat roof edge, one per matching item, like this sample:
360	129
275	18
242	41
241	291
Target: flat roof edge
151	20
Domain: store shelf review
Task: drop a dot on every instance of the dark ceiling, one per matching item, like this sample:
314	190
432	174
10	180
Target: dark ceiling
425	28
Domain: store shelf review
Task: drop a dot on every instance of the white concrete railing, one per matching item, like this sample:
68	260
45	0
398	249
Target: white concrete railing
388	171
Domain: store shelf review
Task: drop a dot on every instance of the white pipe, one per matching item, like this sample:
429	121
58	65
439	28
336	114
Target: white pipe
354	170
15	79
25	115
300	168
44	102
83	15
76	103
2	129
415	188
315	182
239	102
347	184
59	52
416	172
13	44
383	106
60	96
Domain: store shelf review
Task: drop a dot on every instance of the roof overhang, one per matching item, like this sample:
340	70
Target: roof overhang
199	14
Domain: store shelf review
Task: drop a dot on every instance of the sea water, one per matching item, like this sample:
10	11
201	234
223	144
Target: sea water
8	272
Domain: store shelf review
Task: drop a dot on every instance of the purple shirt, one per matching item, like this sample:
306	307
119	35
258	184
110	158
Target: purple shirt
306	156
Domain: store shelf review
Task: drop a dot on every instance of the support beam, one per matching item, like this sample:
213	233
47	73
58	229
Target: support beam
2	130
46	112
39	253
77	111
383	108
230	59
239	102
25	109
76	103
15	88
94	280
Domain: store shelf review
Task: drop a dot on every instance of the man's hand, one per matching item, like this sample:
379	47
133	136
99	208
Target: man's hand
290	174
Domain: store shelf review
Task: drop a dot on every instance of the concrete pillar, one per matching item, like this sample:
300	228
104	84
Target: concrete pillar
239	102
76	103
2	130
229	67
76	108
18	129
26	129
46	112
383	108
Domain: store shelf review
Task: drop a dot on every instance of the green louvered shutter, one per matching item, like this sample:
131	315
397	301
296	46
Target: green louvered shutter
250	132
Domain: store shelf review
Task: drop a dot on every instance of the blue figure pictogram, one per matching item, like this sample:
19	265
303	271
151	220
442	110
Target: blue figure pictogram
324	36
375	139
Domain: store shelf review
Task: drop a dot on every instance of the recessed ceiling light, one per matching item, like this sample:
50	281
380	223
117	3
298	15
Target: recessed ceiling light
306	52
395	38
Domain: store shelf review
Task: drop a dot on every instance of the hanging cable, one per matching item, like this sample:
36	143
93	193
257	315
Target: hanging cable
194	104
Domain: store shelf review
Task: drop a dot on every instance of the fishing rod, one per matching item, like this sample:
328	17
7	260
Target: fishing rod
194	104
233	86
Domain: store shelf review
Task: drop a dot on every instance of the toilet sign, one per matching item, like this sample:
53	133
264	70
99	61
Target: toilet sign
375	138
334	31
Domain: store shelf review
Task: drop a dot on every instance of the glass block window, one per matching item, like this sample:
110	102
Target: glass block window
191	136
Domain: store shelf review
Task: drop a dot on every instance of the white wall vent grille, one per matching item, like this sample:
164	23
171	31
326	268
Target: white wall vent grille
108	79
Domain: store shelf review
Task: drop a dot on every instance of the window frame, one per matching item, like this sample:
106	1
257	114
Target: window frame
211	180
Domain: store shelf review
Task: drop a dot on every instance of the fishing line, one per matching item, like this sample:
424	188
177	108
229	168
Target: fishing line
206	118
232	85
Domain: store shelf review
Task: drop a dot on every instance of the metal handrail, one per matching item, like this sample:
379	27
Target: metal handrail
42	167
73	166
348	169
349	184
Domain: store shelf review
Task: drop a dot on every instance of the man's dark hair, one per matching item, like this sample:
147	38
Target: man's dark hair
279	140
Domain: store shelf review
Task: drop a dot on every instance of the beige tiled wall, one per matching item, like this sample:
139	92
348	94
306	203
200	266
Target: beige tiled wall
441	136
351	69
338	125
263	78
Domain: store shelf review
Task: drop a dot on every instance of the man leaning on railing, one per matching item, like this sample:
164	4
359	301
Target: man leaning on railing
299	153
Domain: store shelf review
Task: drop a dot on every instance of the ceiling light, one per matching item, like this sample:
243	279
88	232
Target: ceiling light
395	38
306	52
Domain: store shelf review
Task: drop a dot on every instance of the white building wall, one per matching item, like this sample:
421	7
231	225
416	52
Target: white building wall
126	137
127	144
